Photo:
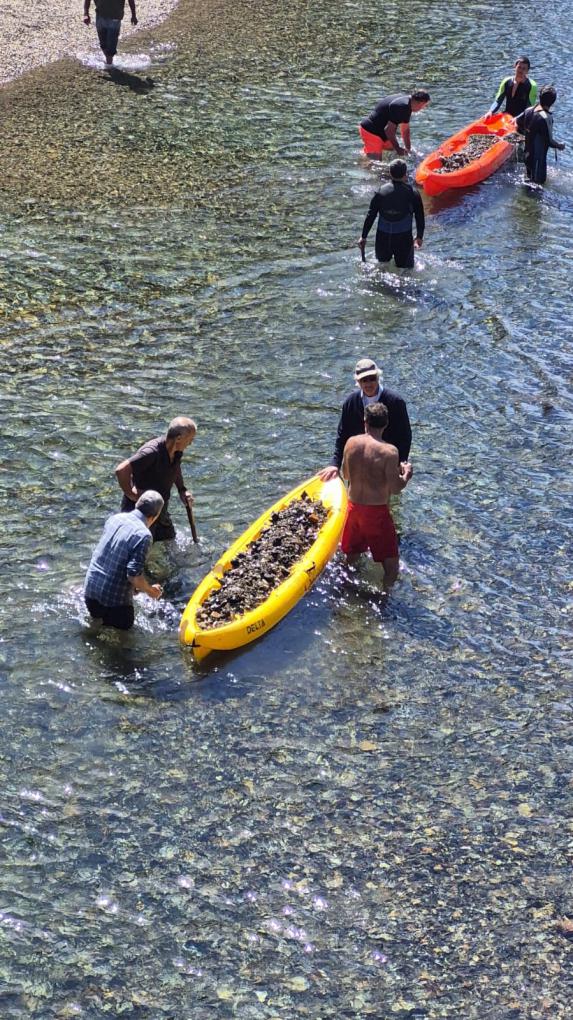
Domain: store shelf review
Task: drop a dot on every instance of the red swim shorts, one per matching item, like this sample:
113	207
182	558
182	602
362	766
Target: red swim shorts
369	527
373	144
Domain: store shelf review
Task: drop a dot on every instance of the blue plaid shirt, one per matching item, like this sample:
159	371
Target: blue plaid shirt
119	555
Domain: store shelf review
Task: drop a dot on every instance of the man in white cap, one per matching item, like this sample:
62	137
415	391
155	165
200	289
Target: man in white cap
369	390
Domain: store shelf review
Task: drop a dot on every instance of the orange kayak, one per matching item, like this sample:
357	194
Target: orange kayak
433	183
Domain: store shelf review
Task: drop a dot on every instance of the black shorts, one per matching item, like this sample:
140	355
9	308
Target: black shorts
398	246
163	529
121	617
108	30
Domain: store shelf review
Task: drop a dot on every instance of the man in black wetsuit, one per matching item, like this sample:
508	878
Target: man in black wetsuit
395	205
518	92
378	130
369	390
536	124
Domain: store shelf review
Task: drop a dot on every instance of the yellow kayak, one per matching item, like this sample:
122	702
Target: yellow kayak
256	622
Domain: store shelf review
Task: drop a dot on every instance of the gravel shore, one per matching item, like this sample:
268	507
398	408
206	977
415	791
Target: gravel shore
39	32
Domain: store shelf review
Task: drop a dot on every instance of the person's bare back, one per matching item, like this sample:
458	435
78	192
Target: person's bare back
372	468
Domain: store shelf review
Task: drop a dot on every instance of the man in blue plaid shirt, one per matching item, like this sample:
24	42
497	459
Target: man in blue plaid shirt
116	566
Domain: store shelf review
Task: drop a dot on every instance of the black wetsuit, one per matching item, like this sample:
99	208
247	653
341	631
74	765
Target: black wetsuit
397	108
395	205
525	95
537	126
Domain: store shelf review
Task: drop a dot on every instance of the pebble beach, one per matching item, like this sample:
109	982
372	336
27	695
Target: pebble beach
50	30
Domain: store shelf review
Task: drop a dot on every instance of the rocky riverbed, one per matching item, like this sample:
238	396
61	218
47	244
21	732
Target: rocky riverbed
266	563
475	147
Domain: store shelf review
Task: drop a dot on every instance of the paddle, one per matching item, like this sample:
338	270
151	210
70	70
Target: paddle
191	523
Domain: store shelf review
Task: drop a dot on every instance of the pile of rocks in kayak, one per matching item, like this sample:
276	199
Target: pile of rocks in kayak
264	564
475	147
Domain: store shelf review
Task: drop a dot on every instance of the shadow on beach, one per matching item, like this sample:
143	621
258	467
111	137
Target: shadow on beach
141	86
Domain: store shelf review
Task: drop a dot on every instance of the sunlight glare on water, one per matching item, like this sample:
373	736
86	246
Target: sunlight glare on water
363	813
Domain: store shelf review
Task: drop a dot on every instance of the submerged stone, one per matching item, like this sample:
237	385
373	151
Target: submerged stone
475	147
265	563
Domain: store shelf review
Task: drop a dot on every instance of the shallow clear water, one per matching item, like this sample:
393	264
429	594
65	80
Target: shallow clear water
365	814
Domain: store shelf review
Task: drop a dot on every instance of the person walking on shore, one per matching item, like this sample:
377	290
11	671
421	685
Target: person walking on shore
374	473
109	16
396	205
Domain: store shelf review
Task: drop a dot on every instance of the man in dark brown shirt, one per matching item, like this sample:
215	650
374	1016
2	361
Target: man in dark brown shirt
157	465
109	15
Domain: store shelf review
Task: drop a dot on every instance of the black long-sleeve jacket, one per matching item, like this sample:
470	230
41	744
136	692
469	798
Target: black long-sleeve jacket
351	423
396	204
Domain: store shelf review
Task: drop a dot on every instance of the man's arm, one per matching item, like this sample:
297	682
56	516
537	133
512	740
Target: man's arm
400	430
371	215
419	215
128	471
390	132
134	568
398	474
520	123
405	132
344	468
328	473
140	583
551	141
499	97
132	9
87	19
125	480
185	496
343	433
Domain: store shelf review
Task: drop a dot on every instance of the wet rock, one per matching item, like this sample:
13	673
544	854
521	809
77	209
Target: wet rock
266	563
475	147
565	927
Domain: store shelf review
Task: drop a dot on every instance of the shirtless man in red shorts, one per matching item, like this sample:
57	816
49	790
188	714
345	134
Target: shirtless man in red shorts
374	473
